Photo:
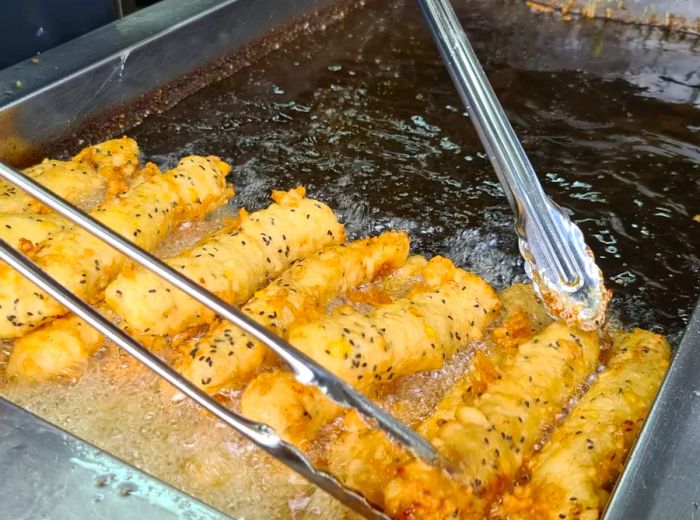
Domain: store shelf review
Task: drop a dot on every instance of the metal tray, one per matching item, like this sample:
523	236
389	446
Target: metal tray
108	80
52	474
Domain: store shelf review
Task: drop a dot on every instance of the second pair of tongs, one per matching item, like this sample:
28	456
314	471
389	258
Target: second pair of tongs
557	260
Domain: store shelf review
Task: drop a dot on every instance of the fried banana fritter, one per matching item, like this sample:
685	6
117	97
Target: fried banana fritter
58	349
232	264
85	265
62	349
102	169
226	354
25	230
489	437
365	458
450	309
571	476
361	309
396	284
412	334
522	317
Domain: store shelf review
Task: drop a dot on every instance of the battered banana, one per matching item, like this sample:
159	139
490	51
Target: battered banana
490	437
60	349
487	433
25	230
232	264
449	309
365	459
571	476
226	354
101	170
85	264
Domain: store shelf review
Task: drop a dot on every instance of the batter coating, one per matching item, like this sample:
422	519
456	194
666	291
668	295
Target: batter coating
571	476
450	309
85	265
396	284
60	349
490	437
365	459
226	354
25	230
103	169
211	470
413	334
523	316
232	264
487	433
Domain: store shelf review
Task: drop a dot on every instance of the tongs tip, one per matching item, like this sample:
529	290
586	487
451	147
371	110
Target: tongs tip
587	314
584	306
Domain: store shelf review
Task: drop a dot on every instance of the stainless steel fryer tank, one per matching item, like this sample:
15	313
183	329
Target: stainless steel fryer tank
109	79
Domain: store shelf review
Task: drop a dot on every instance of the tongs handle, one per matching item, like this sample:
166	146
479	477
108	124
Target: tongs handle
556	256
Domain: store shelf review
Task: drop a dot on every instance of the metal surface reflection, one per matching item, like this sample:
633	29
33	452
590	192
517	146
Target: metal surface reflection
52	474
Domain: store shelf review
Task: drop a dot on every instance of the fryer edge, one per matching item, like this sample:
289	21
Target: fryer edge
105	82
43	461
661	479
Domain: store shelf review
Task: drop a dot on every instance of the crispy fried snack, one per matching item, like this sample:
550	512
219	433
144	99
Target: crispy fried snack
25	230
487	430
232	264
449	309
365	459
226	354
522	317
489	437
101	169
571	476
208	471
85	265
58	349
396	284
413	334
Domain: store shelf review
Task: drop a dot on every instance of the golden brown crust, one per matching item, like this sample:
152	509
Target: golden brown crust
85	265
489	437
232	264
226	355
448	310
99	171
571	476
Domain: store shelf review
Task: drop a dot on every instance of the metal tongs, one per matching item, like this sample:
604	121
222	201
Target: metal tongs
562	268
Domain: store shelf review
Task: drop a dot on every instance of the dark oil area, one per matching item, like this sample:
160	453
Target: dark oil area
364	115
